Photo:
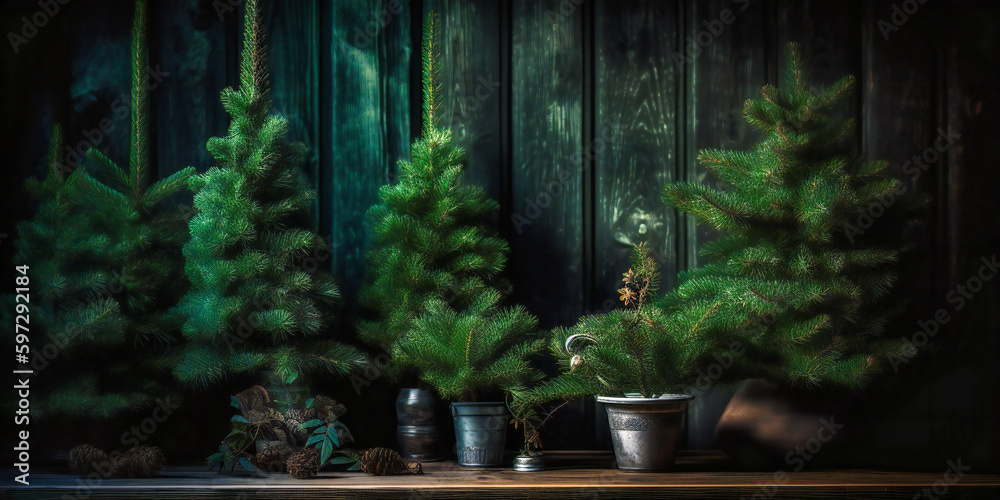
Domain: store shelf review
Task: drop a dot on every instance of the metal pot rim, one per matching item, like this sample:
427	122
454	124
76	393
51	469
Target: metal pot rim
479	403
663	398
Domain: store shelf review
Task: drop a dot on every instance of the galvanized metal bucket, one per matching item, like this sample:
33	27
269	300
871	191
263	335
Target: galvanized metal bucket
645	431
480	433
416	429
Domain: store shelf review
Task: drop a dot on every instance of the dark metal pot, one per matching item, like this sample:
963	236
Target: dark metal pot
645	431
416	430
480	433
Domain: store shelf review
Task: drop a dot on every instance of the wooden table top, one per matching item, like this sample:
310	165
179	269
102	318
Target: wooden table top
571	476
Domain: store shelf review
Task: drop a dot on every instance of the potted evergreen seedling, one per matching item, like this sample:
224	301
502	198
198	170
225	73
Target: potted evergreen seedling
432	253
465	355
636	364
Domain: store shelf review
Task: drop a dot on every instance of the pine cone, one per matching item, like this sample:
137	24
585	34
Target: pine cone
141	461
294	417
266	456
327	408
303	464
386	462
84	459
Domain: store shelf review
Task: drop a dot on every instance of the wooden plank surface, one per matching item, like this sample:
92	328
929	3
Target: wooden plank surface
365	121
724	61
635	138
293	56
471	87
547	159
448	480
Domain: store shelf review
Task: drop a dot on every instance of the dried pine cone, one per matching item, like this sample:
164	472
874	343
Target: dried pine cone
84	459
304	464
294	417
386	462
141	461
267	455
327	408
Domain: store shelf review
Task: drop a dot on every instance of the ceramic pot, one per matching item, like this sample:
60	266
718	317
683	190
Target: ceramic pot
416	430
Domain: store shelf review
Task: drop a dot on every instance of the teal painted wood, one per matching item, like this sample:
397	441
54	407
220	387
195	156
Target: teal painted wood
293	56
365	114
191	47
547	159
471	87
635	138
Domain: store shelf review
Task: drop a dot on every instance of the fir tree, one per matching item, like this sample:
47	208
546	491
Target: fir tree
796	293
793	281
117	275
634	350
70	305
429	233
147	231
253	305
433	267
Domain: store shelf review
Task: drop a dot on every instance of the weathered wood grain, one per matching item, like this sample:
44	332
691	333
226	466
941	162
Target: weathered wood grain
471	86
448	480
365	112
548	163
635	138
293	31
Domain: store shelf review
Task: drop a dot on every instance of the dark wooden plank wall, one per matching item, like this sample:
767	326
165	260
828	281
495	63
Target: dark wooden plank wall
574	114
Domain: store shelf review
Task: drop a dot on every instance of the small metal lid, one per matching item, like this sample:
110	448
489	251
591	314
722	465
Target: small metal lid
524	463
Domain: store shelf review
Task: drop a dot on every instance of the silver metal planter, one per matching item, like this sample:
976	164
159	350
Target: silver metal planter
416	430
480	433
645	431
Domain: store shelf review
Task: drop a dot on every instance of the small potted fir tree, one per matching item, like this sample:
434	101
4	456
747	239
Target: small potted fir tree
433	252
636	361
470	354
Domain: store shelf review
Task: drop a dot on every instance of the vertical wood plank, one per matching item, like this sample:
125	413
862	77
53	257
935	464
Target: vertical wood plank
721	72
366	120
547	159
190	41
471	87
293	57
635	137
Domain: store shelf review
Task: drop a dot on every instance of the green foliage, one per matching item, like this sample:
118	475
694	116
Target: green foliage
105	253
253	305
466	353
794	283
